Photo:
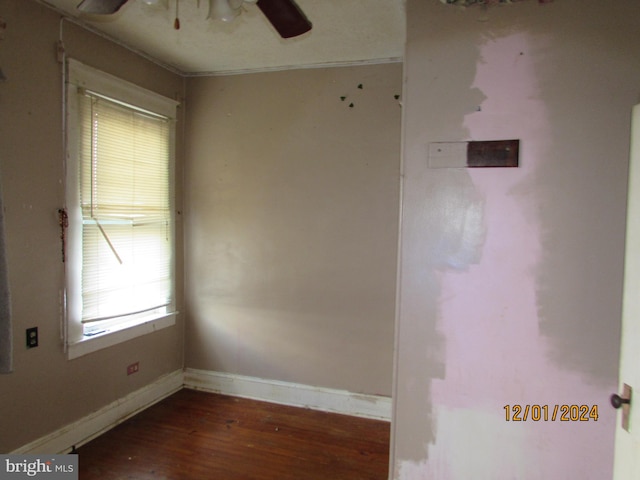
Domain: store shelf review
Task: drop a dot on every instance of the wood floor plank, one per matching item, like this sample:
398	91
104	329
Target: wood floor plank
199	435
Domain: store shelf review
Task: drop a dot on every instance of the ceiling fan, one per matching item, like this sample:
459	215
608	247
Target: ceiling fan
285	15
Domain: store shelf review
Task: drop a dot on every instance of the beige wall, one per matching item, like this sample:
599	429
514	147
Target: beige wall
510	291
291	225
46	391
292	212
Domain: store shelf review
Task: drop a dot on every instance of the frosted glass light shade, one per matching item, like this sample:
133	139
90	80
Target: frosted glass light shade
223	10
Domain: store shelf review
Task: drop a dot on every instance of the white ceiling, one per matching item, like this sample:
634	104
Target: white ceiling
344	32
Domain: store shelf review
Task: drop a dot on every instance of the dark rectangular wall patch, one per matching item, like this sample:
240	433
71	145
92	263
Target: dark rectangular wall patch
493	153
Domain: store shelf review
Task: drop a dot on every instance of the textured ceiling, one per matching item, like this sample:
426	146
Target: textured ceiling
344	32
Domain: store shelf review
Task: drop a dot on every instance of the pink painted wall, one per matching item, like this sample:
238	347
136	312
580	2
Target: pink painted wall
510	279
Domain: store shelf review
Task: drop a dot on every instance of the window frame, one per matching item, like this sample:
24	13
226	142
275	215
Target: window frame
81	76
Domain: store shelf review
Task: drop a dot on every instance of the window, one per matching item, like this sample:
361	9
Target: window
120	248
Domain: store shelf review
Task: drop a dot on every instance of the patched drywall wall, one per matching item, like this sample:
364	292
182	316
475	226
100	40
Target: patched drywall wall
46	391
510	278
292	218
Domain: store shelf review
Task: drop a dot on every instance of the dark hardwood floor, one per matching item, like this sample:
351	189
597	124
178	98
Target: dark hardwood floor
199	435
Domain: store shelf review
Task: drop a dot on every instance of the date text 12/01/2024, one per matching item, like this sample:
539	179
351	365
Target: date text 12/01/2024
546	413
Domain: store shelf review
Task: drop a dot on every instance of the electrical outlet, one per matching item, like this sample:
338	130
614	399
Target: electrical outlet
32	337
133	368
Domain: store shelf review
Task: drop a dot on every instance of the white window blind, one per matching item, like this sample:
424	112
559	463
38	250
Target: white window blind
120	238
126	212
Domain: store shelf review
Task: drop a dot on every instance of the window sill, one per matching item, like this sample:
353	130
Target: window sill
113	337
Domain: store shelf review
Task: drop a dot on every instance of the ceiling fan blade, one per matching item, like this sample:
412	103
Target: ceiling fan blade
101	7
285	16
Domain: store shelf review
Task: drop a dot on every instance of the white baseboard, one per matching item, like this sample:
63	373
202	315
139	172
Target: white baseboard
292	394
285	393
96	423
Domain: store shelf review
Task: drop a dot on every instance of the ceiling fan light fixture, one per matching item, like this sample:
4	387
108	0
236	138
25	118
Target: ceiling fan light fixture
284	15
224	10
157	3
154	6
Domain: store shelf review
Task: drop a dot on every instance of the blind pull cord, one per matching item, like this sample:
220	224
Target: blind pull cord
106	237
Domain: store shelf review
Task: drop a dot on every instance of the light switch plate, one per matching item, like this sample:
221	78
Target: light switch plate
474	154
